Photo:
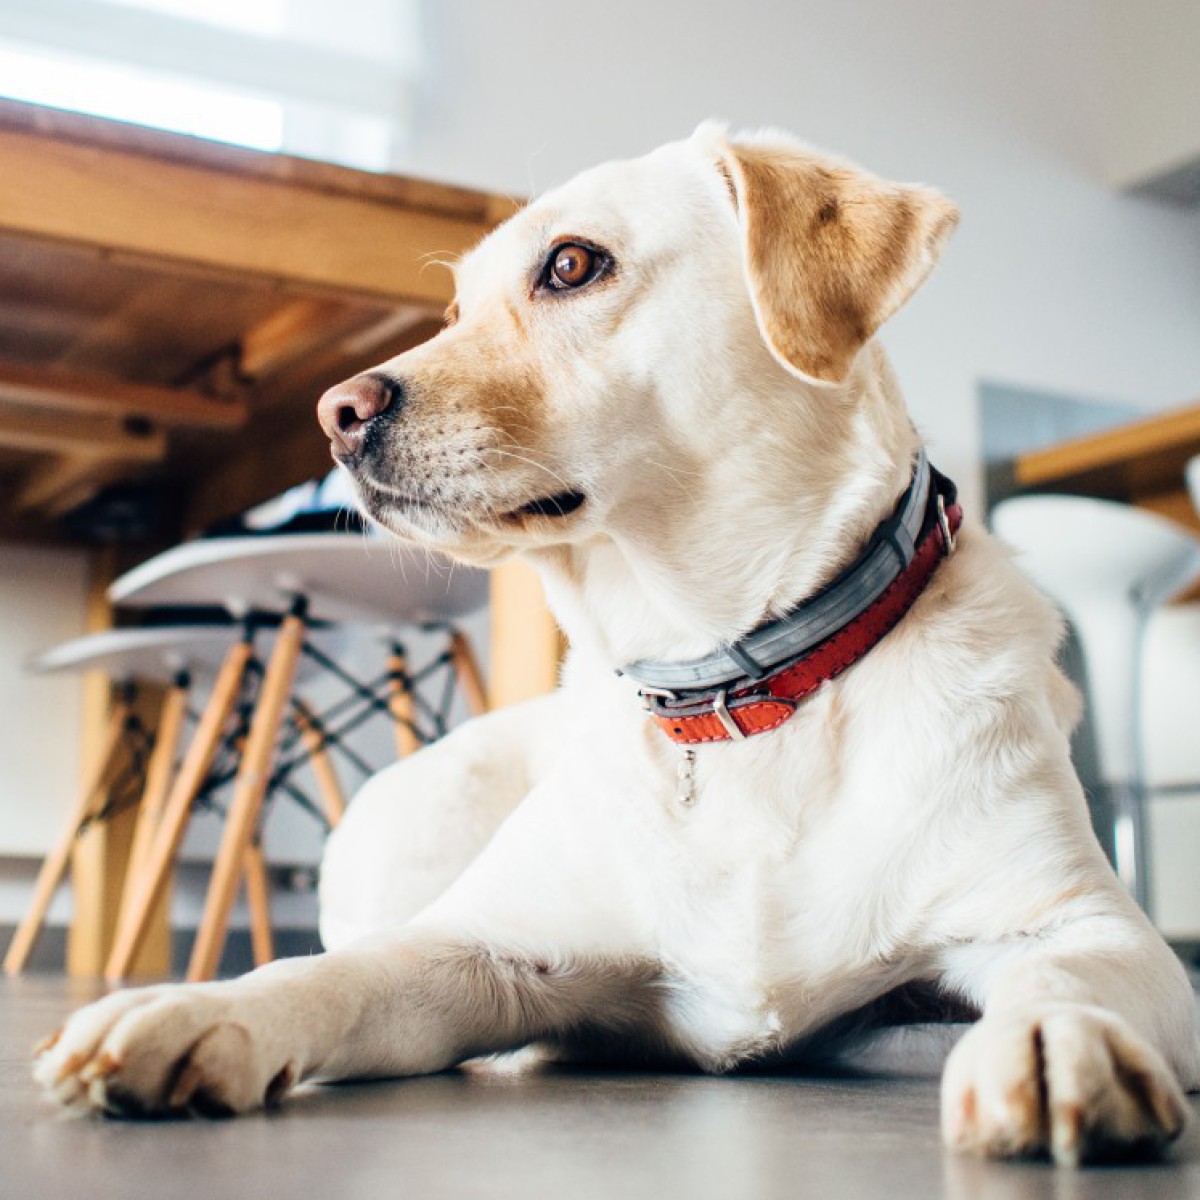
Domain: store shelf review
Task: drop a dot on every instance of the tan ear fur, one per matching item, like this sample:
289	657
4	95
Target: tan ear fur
830	251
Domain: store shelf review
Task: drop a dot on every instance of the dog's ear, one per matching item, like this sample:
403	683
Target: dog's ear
830	251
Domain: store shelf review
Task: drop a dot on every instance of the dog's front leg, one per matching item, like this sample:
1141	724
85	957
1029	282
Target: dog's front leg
1086	1035
416	1003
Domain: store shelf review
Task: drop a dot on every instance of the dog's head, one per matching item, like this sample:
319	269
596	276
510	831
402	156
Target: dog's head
633	340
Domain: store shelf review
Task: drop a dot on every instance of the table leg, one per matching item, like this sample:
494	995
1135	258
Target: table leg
469	674
526	647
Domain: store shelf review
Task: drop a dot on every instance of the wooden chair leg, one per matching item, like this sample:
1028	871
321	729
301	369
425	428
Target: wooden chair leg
258	895
154	794
333	799
55	864
152	876
400	705
467	667
246	803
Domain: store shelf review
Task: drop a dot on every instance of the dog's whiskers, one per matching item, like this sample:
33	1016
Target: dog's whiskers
567	485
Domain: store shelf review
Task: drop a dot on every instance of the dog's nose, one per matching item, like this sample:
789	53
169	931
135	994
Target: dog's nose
346	410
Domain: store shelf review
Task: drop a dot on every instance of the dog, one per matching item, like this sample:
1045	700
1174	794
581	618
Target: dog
660	384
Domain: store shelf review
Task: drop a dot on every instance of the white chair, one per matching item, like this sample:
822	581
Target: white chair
308	579
167	656
1192	472
1108	566
1172	705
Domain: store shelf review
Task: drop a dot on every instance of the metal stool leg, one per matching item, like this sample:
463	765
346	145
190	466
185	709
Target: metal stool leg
55	864
135	915
248	791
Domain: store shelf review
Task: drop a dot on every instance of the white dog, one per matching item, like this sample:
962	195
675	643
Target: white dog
853	787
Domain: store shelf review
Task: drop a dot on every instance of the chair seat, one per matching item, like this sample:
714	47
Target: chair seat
160	653
1077	545
346	577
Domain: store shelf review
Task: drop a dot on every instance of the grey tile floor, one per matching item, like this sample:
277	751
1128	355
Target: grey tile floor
563	1134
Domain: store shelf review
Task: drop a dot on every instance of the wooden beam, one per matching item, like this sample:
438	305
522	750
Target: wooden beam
247	225
306	326
389	329
84	438
51	389
282	445
291	332
62	484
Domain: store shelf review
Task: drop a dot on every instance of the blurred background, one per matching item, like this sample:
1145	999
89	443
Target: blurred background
1065	314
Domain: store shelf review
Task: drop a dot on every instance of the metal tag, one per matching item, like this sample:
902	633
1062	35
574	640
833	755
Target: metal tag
685	778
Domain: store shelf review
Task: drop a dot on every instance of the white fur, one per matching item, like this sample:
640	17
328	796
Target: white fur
534	877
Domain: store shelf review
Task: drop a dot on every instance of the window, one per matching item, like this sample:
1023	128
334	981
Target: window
322	80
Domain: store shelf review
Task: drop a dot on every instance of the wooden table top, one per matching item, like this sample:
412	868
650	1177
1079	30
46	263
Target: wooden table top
171	308
1141	462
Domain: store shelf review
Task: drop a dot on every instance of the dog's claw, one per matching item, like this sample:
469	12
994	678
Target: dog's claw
100	1068
71	1066
47	1043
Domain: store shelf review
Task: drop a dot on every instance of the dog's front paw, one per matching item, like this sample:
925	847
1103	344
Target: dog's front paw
1067	1080
163	1051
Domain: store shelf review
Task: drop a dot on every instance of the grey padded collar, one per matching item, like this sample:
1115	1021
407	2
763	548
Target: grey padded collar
889	552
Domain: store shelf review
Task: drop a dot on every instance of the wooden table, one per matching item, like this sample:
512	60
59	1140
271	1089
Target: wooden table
171	307
1141	463
170	310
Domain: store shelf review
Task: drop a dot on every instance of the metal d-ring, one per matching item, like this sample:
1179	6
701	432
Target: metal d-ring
721	708
949	541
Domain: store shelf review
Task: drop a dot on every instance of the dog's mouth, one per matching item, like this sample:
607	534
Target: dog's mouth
561	504
422	509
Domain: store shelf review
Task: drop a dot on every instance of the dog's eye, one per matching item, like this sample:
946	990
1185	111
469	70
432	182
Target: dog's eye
572	265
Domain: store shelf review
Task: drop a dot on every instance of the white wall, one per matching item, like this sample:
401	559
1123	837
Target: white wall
43	594
1052	280
1154	90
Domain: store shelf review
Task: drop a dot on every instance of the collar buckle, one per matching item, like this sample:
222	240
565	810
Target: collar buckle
647	695
949	541
720	707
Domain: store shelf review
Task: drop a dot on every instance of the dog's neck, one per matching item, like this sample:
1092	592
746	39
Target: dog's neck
703	551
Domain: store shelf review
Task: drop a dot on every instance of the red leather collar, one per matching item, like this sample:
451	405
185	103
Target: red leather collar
692	717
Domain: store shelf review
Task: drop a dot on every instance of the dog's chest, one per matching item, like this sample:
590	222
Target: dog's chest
751	930
758	877
757	959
